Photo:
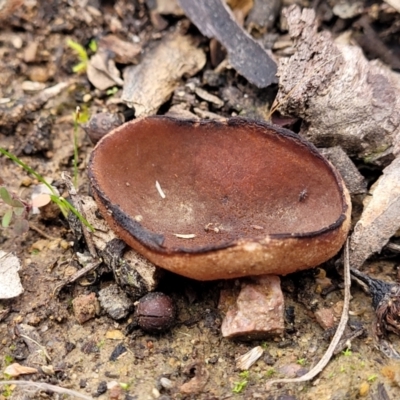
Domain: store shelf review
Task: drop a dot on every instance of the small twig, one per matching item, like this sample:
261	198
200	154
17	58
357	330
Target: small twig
46	386
393	246
41	347
12	115
77	203
339	331
41	232
90	267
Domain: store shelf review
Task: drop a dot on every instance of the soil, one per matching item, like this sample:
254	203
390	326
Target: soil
33	48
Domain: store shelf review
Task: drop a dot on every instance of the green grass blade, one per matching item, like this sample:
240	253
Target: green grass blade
65	205
5	221
27	168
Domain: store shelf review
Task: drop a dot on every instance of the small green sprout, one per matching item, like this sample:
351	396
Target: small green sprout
62	203
124	386
270	372
302	361
241	385
342	368
8	360
93	46
347	352
82	55
372	378
112	91
7	391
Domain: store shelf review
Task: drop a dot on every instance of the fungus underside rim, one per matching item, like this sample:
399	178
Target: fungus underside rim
154	241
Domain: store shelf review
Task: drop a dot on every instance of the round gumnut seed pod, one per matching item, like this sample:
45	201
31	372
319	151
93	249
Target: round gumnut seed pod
155	312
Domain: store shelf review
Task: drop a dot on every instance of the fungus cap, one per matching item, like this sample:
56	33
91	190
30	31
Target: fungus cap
216	200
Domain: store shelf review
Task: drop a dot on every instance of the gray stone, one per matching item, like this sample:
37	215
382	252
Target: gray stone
115	302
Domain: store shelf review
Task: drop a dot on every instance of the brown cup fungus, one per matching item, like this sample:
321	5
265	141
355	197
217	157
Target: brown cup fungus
212	200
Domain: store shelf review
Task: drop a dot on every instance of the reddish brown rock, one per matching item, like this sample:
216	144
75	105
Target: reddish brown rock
85	307
325	317
258	311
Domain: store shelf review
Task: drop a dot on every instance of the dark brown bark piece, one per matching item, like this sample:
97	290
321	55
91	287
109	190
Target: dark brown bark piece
215	20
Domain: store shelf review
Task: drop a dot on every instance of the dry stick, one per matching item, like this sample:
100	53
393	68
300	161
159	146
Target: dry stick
46	386
41	347
77	202
41	232
338	334
91	266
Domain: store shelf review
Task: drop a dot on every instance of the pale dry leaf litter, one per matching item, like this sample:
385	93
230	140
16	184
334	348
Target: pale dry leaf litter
150	84
345	100
10	283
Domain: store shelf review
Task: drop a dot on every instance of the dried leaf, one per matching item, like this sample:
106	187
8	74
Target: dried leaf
124	52
16	369
41	200
150	84
102	72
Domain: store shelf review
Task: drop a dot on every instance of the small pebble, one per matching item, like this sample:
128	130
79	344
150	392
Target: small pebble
85	307
26	182
64	245
102	388
115	302
166	383
364	389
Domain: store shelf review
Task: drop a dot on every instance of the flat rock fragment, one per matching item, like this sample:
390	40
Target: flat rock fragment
325	317
150	84
115	302
258	311
380	219
85	307
10	283
215	20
